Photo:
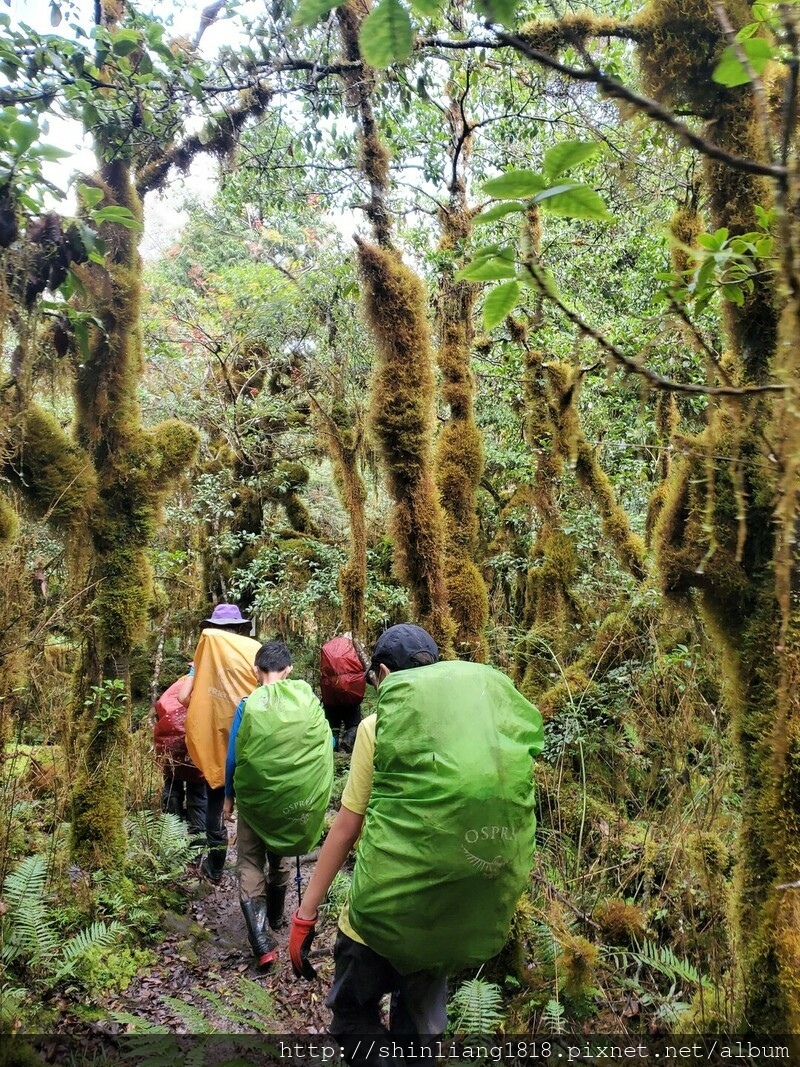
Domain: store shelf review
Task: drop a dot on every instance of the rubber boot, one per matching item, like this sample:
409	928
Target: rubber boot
255	916
276	895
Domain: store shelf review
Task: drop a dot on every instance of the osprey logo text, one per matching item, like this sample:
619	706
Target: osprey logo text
489	833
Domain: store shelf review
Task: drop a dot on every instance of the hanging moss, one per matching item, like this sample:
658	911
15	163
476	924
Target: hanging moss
9	524
684	227
402	420
680	43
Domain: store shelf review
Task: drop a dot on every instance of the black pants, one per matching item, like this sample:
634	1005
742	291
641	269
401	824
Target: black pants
417	1015
343	722
187	800
216	833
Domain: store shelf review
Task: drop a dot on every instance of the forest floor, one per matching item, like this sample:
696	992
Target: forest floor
207	950
204	956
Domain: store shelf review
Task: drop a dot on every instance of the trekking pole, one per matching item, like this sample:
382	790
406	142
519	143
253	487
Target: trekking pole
298	880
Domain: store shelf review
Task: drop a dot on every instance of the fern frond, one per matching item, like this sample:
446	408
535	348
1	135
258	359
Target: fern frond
190	1015
98	935
552	1021
137	1025
662	960
31	926
26	881
158	844
12	999
478	1005
544	945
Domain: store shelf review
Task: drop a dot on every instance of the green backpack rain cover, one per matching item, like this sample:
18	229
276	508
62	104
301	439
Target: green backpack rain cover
448	838
284	766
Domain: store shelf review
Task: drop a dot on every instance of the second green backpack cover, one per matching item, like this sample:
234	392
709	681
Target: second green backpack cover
284	766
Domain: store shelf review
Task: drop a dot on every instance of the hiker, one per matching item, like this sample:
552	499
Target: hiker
280	770
441	793
223	675
342	687
184	790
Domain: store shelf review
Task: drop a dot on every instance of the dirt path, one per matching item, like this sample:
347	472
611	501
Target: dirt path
205	977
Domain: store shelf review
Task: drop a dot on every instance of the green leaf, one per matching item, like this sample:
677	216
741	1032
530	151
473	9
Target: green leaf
490	269
499	302
89	195
497	212
713	241
50	153
124	42
386	36
23	133
730	71
308	11
120	215
573	201
514	184
569	154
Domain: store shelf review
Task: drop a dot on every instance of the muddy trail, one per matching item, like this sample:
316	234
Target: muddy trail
206	981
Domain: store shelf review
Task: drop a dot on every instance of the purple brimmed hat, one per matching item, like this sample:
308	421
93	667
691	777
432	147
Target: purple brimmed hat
403	646
227	615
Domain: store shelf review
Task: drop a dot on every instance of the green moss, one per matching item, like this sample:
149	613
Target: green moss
620	923
9	523
402	422
570	31
53	473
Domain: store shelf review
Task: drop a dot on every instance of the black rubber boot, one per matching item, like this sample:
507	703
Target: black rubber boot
276	895
255	916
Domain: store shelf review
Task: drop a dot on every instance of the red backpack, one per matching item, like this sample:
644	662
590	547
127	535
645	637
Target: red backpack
342	680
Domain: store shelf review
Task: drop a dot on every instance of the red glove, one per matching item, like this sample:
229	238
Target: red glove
300	937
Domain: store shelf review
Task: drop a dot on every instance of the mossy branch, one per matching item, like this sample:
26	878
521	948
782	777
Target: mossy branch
218	137
615	90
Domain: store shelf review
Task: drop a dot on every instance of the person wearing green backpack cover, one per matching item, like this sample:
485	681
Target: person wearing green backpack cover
279	768
440	798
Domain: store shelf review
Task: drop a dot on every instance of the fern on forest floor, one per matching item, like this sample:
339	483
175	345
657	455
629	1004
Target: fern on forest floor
247	1004
29	927
477	1008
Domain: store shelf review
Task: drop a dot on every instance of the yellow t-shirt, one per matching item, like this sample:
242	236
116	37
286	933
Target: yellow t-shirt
355	795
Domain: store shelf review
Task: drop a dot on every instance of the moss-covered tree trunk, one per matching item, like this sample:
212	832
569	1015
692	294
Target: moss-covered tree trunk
402	413
342	434
459	448
134	468
716	527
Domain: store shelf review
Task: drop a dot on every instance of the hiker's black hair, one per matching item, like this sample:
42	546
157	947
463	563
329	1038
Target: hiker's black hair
273	656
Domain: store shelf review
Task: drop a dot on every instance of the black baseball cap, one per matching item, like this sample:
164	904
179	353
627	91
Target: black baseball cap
403	646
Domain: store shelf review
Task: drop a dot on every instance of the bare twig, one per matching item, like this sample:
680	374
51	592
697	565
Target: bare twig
628	363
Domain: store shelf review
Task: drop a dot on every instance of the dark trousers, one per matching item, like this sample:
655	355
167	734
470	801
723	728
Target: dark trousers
216	832
187	800
343	721
417	1014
